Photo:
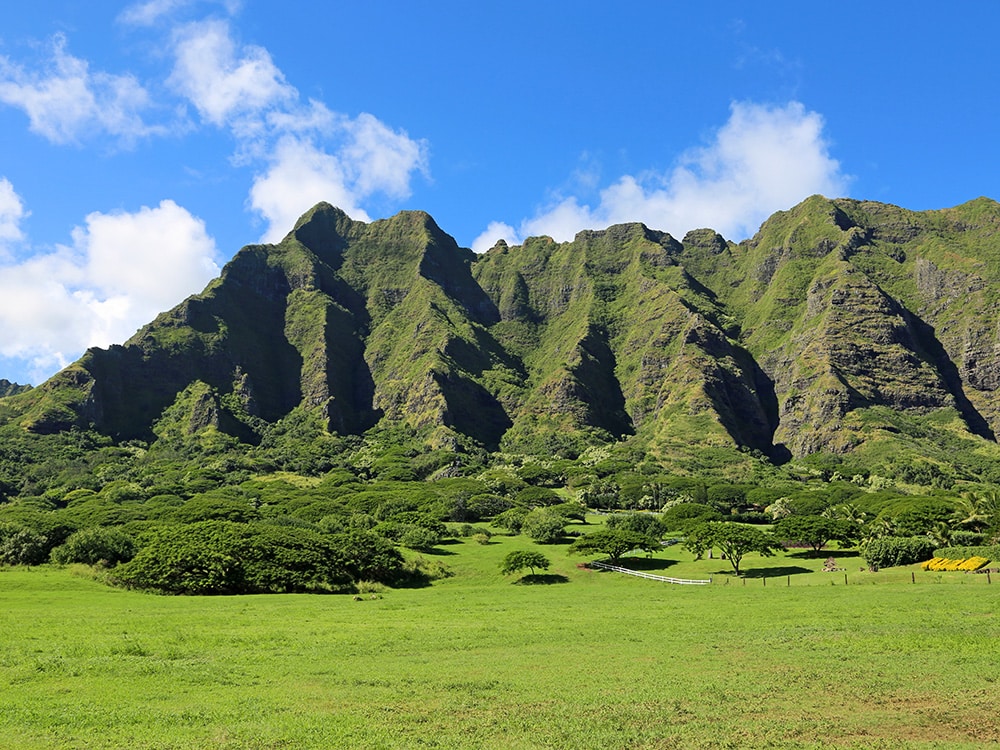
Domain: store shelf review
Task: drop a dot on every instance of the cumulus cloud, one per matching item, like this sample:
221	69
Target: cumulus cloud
120	270
11	213
150	12
310	152
66	101
224	83
299	177
762	160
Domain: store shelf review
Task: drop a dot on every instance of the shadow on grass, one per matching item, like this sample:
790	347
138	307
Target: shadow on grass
537	579
645	563
785	570
437	552
836	554
564	540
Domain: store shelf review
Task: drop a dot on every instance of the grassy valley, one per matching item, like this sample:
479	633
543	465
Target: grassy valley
480	660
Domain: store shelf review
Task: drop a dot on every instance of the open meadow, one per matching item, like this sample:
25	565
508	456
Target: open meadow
577	659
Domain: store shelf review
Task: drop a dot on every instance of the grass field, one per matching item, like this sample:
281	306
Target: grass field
586	660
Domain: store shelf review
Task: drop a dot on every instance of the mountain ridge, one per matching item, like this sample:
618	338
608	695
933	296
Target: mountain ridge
840	326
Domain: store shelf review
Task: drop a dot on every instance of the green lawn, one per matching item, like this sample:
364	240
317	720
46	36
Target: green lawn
587	660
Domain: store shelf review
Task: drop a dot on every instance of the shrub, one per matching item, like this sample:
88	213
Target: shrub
544	526
418	537
221	557
889	551
685	515
532	496
99	545
367	557
962	538
953	552
487	505
20	545
646	524
727	497
512	520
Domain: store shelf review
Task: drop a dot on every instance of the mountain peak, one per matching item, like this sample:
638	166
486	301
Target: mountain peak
840	322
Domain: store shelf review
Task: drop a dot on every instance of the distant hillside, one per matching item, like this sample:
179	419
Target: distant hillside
841	327
9	389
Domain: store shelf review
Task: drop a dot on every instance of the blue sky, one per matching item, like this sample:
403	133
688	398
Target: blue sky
142	144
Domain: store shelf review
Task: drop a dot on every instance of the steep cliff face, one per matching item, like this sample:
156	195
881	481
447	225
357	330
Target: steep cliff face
792	342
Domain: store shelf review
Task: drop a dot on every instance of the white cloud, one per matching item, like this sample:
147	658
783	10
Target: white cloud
380	158
224	83
496	230
11	213
762	160
149	12
312	153
120	271
299	177
67	101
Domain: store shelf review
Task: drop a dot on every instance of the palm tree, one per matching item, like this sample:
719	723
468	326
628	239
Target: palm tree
940	534
978	510
879	528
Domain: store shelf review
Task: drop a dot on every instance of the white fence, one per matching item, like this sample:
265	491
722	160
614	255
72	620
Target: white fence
641	574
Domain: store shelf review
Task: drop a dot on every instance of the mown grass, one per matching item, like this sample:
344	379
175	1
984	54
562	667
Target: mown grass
478	660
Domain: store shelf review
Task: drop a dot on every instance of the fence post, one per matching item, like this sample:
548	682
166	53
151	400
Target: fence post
789	581
988	577
845	579
913	577
764	579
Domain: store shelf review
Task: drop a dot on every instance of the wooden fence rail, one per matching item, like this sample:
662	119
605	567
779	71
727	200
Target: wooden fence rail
641	574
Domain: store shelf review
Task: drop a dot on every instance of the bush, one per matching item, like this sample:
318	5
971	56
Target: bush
367	557
544	526
487	505
728	497
537	496
512	520
418	537
99	545
954	552
685	515
221	557
20	545
890	551
962	538
646	524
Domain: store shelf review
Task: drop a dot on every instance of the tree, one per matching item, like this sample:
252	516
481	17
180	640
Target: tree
511	519
646	524
612	542
20	545
98	545
685	515
733	539
816	531
544	526
418	537
521	559
979	511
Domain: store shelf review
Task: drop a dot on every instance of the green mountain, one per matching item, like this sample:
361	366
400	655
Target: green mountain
842	328
9	389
